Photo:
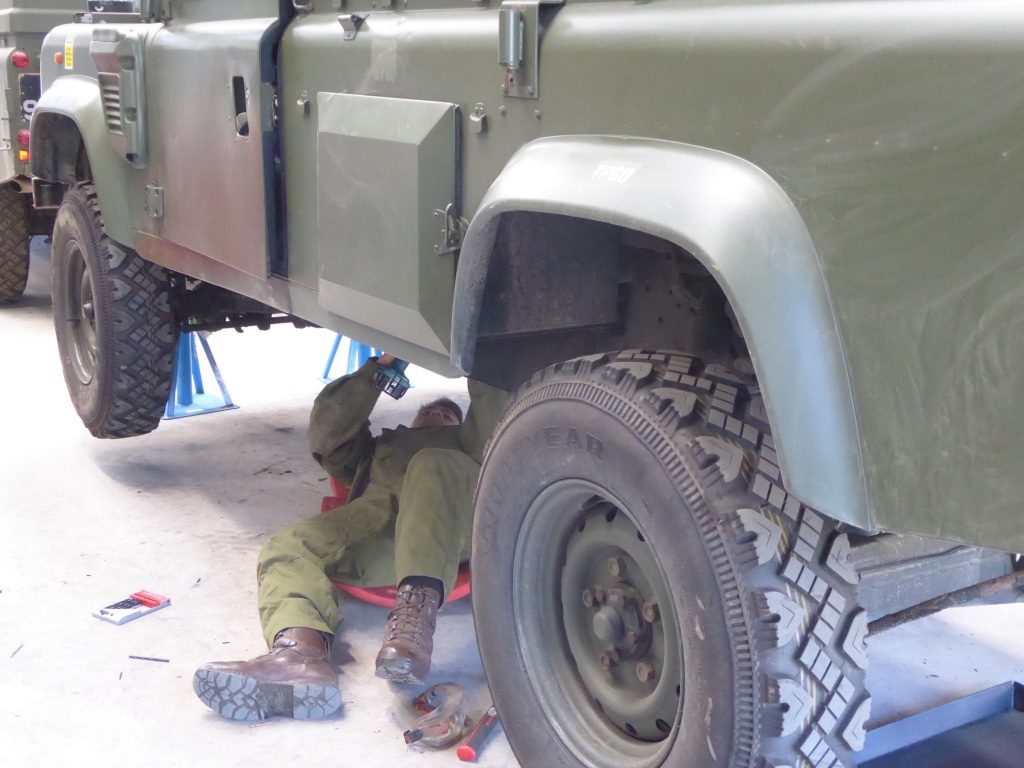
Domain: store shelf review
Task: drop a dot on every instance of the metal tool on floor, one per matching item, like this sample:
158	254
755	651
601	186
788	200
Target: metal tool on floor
469	750
188	396
444	720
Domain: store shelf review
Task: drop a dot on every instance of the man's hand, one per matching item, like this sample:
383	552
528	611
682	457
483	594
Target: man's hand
386	360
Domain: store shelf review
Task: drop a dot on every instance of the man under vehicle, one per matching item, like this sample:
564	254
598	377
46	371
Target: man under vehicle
408	522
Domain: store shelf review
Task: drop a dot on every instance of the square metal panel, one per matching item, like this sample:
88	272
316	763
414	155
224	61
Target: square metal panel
384	167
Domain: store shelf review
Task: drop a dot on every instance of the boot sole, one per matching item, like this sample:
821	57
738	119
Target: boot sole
398	672
238	697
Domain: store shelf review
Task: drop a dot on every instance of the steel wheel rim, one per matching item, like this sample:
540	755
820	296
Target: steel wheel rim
81	316
605	716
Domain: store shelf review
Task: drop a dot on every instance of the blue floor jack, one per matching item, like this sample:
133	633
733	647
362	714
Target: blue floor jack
188	397
358	354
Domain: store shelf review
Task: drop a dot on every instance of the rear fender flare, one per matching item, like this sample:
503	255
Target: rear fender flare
740	224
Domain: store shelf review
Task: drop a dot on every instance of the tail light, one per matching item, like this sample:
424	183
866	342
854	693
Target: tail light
20	60
24	138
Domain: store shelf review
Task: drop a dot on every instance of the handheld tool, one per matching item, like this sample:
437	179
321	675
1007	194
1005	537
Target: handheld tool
132	607
391	379
444	720
470	749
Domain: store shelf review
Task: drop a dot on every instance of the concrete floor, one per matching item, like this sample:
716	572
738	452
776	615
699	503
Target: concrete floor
183	512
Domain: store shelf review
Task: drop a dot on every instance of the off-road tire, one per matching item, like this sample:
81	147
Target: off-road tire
119	360
14	244
763	597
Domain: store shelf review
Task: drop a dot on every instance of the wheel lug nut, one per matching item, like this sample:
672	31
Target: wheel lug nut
644	671
650	612
609	659
616	566
588	598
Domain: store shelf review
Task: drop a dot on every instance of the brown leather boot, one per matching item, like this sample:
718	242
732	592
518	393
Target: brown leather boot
409	637
294	680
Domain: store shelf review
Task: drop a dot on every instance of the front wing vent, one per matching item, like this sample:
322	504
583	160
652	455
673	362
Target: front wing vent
110	89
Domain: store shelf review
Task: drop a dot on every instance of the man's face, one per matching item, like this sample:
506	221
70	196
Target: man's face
435	416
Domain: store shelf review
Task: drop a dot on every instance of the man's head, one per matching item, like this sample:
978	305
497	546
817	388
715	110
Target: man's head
438	413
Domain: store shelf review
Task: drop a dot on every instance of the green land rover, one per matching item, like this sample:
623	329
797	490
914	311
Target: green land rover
755	268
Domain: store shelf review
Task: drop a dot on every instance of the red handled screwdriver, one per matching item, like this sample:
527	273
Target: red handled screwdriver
470	749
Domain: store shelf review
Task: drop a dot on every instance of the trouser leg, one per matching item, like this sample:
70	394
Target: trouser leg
294	590
435	515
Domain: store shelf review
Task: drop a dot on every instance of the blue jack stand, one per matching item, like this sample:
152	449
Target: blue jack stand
358	354
187	396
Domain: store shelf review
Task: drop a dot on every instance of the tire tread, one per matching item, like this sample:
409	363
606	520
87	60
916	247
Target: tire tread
139	364
788	589
14	244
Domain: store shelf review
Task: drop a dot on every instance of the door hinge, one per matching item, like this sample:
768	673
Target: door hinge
453	231
155	201
351	23
519	34
155	10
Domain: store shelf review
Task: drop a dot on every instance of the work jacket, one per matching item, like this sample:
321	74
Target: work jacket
341	442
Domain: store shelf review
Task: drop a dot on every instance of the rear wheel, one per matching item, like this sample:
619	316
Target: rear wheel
14	243
115	328
645	591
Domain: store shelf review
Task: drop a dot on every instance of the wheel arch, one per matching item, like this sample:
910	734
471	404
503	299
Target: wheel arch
69	144
744	230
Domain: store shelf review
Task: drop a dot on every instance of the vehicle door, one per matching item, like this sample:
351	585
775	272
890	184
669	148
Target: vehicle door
209	81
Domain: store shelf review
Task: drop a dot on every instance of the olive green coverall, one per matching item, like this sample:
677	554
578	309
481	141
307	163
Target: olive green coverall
410	513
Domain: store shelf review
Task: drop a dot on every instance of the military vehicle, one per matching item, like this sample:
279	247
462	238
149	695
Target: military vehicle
23	23
755	269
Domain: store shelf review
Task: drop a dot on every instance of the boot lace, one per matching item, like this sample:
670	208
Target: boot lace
412	615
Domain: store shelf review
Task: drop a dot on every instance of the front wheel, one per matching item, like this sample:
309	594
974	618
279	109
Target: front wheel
115	328
646	593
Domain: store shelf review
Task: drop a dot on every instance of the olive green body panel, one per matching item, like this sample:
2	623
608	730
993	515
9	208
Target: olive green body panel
77	98
209	161
894	127
384	167
36	17
438	56
744	229
895	130
284	295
